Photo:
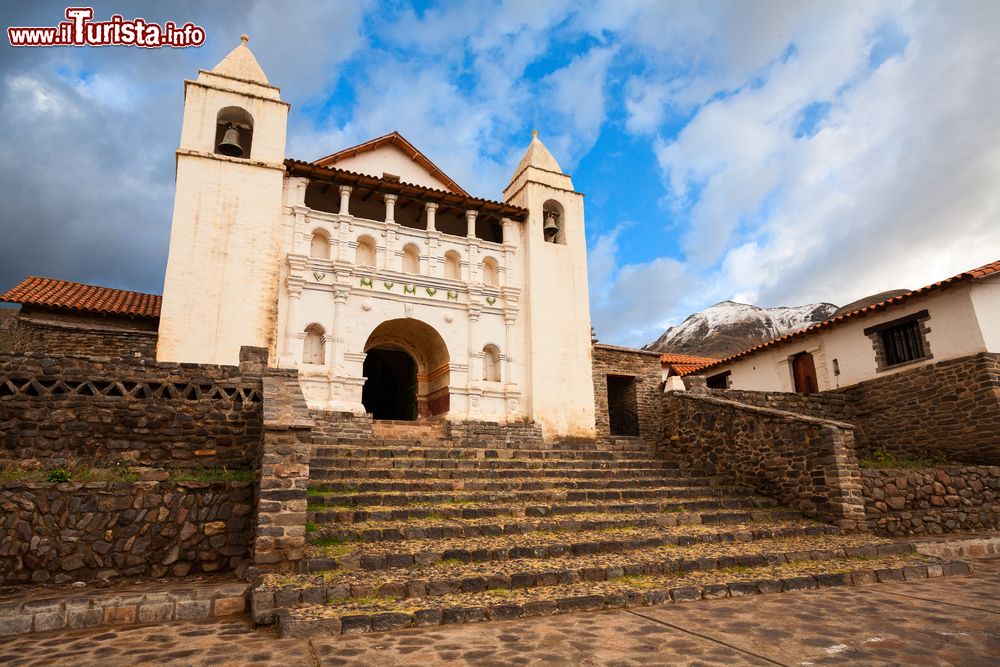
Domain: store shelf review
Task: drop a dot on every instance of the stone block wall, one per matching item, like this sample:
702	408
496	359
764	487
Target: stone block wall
8	329
282	474
642	365
950	408
60	334
803	462
105	411
931	501
55	533
824	405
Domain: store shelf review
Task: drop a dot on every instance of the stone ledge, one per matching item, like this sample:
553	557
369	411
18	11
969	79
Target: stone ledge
126	605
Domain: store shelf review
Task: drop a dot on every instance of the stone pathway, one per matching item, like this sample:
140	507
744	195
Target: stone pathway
950	621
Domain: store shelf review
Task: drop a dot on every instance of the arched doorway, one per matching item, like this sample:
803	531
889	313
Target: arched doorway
390	390
406	371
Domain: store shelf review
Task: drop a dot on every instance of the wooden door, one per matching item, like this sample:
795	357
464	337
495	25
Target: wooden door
804	372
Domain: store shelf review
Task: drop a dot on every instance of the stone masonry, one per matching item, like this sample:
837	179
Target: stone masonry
55	533
950	408
642	365
931	501
804	462
84	335
283	474
105	411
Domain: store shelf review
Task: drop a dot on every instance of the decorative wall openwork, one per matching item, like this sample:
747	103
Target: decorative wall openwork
46	387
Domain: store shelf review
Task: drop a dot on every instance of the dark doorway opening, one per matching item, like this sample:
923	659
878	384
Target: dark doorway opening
623	406
390	390
804	372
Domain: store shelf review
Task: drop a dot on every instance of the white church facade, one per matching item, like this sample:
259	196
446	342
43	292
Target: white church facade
391	289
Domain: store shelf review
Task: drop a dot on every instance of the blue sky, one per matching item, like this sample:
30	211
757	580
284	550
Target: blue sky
769	152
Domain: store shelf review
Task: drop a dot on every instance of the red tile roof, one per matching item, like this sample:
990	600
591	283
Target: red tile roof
683	364
978	273
66	295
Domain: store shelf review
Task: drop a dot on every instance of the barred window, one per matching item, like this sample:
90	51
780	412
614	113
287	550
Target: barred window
902	343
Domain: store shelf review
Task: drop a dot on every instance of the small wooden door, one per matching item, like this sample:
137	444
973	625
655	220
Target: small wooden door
804	372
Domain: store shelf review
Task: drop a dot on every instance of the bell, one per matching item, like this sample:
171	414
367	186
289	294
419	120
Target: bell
551	228
231	143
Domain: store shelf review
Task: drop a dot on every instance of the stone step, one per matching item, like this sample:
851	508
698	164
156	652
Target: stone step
512	484
388	451
684	501
359	499
438	526
332	472
317	613
320	460
424	552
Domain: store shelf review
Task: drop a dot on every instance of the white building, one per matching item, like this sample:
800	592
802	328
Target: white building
389	287
957	317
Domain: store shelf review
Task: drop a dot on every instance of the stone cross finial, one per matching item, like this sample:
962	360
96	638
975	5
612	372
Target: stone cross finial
534	134
244	38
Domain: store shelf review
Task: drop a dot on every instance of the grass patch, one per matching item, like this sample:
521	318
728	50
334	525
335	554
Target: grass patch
222	474
313	491
73	471
885	460
326	541
311	527
501	592
674	509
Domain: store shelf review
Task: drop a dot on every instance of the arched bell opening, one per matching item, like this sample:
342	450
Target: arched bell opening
406	371
233	132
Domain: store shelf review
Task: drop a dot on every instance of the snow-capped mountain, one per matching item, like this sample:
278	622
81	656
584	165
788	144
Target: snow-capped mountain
729	327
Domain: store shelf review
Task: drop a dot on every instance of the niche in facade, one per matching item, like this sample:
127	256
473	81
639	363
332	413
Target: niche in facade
553	221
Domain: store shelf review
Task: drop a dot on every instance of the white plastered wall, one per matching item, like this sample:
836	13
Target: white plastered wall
221	286
955	331
985	297
390	160
558	307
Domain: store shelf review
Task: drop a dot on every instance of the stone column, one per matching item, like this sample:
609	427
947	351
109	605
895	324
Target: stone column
390	208
345	200
431	209
470	221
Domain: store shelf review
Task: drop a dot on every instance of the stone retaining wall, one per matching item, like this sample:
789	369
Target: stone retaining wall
950	408
803	462
931	501
642	365
105	411
55	533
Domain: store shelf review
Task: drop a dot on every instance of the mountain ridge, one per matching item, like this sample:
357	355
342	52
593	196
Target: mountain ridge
729	327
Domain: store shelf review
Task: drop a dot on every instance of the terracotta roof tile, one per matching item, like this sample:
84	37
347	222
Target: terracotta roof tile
978	273
671	358
67	295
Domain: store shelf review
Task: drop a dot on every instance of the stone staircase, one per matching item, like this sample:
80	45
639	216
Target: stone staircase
410	526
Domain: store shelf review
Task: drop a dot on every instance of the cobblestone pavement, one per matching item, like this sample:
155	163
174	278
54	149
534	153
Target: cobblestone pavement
950	621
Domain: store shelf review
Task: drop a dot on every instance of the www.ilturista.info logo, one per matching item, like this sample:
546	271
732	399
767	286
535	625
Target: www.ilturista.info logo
80	30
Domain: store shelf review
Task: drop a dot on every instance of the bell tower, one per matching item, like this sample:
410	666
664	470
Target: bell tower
561	385
221	286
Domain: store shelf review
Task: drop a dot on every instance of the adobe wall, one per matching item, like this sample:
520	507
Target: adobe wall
56	533
931	501
803	462
58	409
644	366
